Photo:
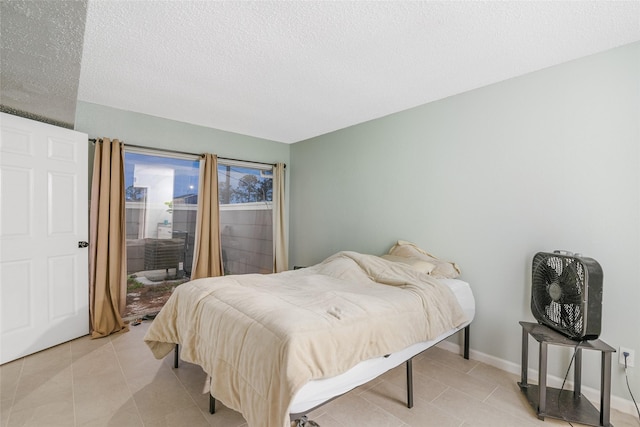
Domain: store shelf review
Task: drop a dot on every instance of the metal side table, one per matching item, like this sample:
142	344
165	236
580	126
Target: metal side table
566	404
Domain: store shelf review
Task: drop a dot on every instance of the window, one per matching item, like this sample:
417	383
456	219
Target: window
161	200
245	193
161	195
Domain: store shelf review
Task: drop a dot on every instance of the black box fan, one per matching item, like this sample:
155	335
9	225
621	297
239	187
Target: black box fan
566	294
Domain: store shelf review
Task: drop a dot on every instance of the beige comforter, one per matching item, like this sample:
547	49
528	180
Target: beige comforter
262	337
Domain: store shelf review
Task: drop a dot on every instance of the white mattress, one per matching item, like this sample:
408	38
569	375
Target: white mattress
316	392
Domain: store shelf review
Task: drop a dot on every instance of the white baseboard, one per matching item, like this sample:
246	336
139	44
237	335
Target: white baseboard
619	403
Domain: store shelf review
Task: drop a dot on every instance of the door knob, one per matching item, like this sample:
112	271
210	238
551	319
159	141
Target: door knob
83	244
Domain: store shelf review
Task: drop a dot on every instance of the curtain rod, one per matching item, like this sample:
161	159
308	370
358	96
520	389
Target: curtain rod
166	150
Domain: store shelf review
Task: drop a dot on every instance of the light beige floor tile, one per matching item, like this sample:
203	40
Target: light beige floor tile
364	387
326	420
101	361
100	397
48	361
494	375
388	396
620	419
33	387
194	381
449	359
351	409
224	417
509	399
132	339
474	412
424	386
109	381
192	377
202	402
392	399
162	397
85	345
135	362
47	413
464	382
148	375
188	417
35	390
5	411
124	415
9	378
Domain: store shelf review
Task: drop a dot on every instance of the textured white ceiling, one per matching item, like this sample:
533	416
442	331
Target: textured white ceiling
291	70
40	51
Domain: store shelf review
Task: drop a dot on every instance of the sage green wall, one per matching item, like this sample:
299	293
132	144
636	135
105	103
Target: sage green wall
487	178
155	132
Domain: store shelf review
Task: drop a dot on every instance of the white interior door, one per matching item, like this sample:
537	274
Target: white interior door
44	291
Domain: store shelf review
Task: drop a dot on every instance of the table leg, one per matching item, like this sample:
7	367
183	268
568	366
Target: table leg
542	381
605	389
577	373
525	357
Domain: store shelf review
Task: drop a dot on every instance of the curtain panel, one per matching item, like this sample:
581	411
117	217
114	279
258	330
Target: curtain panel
207	255
107	247
280	253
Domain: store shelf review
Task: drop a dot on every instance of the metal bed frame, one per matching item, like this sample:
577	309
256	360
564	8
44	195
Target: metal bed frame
408	362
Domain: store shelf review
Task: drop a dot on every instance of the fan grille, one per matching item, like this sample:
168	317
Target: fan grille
566	293
558	293
566	316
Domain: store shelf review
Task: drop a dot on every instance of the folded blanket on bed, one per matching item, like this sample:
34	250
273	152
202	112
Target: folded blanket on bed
262	337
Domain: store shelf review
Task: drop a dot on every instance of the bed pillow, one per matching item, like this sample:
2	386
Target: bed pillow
416	263
442	269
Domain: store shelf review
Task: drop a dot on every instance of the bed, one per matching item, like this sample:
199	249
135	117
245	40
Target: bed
277	346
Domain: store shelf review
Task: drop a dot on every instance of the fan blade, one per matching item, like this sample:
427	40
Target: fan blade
571	285
571	315
543	276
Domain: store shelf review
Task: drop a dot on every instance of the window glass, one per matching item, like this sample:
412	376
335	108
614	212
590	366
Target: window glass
246	223
161	196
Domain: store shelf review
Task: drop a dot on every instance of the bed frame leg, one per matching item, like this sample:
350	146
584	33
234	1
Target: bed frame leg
212	404
410	383
466	342
176	356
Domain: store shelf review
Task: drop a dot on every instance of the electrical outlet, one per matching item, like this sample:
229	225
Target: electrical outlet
630	358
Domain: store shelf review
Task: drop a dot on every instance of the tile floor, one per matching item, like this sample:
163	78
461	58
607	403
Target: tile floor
116	381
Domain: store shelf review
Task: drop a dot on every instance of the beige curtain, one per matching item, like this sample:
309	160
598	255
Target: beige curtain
280	256
207	254
107	263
